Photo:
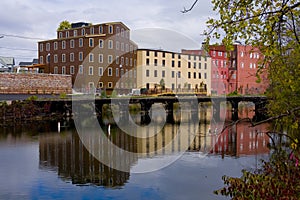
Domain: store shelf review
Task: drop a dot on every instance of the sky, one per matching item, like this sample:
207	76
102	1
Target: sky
25	22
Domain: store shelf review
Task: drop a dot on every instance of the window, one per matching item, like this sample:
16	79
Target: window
155	73
91	70
41	47
80	55
220	53
189	74
91	42
179	64
117	72
131	62
91	57
178	74
55	58
163	73
63	57
72	70
109	71
101	29
55	45
101	43
117	45
147	73
163	63
67	34
75	33
110	44
242	54
122	46
100	58
205	76
195	65
118	31
173	55
110	29
100	71
205	65
63	44
155	54
199	66
80	42
164	54
173	63
147	61
83	32
127	48
55	70
117	60
195	75
127	62
71	57
147	53
92	31
122	32
189	64
251	55
41	60
110	85
100	84
71	43
199	75
60	35
80	69
48	47
122	60
250	65
242	65
110	59
63	70
173	74
155	62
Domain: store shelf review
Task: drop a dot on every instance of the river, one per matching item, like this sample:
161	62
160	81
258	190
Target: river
181	160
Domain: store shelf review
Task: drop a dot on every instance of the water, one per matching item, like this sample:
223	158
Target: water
37	162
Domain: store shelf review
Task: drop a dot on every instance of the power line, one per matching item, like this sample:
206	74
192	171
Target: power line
20	36
18	49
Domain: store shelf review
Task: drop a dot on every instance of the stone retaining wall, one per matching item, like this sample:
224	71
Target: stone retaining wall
12	83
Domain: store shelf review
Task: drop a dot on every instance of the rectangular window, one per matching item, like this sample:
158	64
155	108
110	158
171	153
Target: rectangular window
100	84
110	85
80	55
205	76
205	65
173	74
110	59
163	73
126	61
110	44
67	34
83	32
155	62
80	42
148	61
71	43
41	60
92	31
100	58
179	63
55	45
80	69
100	71
91	70
155	73
199	75
91	42
195	75
147	53
109	71
63	70
117	72
110	29
41	47
101	43
173	63
71	57
117	60
147	73
72	70
100	29
117	45
55	70
55	58
199	66
189	74
163	63
155	54
63	44
48	47
91	57
63	58
75	33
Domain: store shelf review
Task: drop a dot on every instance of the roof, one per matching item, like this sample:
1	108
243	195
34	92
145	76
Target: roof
7	61
34	61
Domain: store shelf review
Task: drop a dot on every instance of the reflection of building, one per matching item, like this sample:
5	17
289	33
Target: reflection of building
242	139
75	163
96	55
179	71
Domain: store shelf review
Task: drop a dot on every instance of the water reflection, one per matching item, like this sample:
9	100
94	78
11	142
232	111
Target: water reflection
66	153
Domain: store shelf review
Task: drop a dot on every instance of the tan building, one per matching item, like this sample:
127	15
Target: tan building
178	72
95	55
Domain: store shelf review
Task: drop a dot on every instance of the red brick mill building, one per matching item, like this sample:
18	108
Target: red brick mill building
94	55
235	70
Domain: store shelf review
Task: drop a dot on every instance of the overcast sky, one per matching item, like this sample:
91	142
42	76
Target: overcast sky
39	19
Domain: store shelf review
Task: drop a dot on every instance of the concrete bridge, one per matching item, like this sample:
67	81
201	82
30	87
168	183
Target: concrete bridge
65	105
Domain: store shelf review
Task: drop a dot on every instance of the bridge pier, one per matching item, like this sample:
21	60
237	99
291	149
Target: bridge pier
145	109
169	106
216	110
234	110
259	110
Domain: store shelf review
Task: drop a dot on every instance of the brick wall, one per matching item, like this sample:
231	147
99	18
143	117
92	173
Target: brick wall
11	83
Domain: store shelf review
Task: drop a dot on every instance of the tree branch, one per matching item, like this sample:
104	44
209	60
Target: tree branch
191	8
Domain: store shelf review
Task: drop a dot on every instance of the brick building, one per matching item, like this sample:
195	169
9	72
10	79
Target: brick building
96	56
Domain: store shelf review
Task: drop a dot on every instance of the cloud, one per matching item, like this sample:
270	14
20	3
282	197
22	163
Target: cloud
40	18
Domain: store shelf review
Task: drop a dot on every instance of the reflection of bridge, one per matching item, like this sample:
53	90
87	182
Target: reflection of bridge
65	105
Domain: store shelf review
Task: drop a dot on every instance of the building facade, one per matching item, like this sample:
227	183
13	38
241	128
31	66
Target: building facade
96	56
175	72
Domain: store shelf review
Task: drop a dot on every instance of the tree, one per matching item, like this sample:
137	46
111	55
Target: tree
64	25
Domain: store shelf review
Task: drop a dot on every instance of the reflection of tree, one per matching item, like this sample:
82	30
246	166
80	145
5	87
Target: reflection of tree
75	163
